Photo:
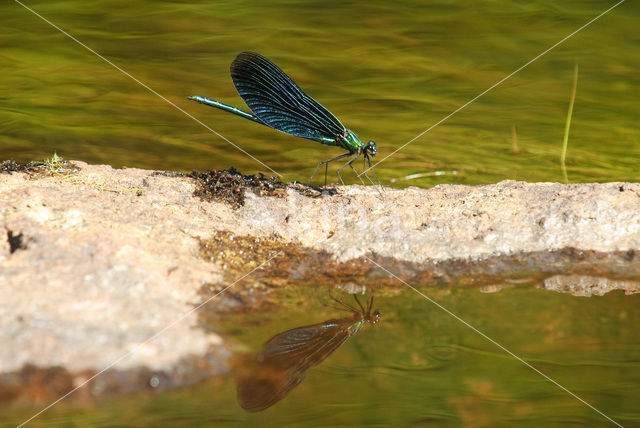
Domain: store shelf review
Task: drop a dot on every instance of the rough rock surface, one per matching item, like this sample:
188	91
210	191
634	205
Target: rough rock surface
451	221
98	271
94	263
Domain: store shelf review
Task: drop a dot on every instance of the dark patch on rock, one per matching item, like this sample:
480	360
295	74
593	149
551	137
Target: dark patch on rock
16	242
230	185
10	165
45	168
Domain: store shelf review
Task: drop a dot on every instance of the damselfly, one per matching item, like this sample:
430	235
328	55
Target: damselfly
277	102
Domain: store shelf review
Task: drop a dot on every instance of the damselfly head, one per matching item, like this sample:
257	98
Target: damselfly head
371	149
375	317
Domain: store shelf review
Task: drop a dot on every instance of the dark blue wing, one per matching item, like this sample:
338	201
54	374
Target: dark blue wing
278	102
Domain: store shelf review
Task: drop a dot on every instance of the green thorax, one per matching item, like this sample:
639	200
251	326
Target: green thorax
351	142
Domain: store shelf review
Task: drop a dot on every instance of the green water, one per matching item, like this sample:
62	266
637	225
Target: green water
388	70
420	367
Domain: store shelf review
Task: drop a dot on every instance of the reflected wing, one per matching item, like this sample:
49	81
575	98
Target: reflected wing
285	359
278	102
259	391
304	347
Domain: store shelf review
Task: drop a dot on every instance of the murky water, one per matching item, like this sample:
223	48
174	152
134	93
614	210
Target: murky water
418	366
389	71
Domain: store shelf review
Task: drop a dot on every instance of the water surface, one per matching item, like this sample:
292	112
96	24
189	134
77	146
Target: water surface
388	71
418	366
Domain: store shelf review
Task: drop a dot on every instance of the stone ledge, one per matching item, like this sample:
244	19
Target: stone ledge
95	261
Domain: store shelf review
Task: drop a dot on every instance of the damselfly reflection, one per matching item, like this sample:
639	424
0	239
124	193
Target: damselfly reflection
280	366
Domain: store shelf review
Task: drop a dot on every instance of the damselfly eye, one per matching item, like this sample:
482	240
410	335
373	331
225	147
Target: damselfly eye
371	148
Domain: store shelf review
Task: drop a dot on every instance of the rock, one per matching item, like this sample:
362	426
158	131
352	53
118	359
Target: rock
585	285
97	263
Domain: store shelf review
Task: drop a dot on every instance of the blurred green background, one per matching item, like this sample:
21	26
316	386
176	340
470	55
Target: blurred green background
386	70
